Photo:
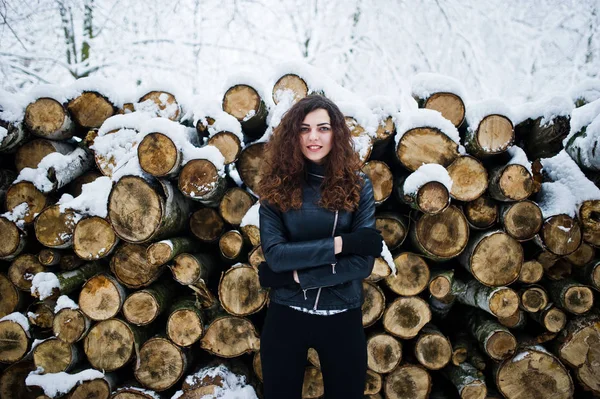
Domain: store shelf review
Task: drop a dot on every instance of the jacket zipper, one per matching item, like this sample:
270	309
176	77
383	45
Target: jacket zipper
332	265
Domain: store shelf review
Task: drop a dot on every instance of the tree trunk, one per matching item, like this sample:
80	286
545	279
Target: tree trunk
544	141
111	344
405	317
494	135
234	205
533	373
469	381
373	305
481	213
469	178
497	301
200	180
90	109
521	220
425	145
560	234
207	225
382	179
162	252
54	356
94	238
160	364
185	324
228	144
130	266
245	104
511	182
47	118
449	105
384	352
495	340
71	325
407	381
412	275
15	341
494	258
10	296
71	280
393	227
432	348
289	83
144	306
141	212
441	236
25	191
54	228
31	153
240	292
570	295
249	165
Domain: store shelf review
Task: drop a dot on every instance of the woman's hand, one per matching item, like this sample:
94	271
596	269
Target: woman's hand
365	241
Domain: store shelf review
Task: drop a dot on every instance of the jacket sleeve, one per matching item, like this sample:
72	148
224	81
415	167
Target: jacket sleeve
348	267
282	255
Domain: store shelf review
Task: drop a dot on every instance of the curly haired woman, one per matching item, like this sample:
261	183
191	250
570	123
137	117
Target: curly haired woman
318	236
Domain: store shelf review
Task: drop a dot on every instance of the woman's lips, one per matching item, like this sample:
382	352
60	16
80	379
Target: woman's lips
314	149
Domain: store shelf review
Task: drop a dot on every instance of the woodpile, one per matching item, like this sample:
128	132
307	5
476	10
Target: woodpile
130	244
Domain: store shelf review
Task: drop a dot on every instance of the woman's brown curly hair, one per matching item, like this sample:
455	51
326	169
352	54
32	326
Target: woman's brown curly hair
283	169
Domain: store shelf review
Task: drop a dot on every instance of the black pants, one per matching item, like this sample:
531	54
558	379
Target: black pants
338	339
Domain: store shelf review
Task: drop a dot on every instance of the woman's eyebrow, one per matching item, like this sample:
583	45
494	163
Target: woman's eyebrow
323	123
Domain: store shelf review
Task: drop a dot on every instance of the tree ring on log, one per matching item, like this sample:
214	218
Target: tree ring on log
561	234
469	178
90	109
292	83
46	117
229	144
158	155
412	275
425	145
101	297
495	134
373	305
160	364
93	238
25	191
53	228
443	235
109	345
408	381
449	105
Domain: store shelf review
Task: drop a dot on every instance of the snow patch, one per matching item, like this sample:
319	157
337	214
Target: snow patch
424	85
424	174
548	109
587	90
64	302
518	157
421	118
556	199
18	318
477	111
18	214
233	386
3	133
251	218
520	356
389	259
93	200
104	86
44	284
57	384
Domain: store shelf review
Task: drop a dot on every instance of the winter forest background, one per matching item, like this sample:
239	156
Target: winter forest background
519	50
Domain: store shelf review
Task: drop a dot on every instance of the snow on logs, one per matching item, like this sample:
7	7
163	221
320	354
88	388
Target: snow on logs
171	187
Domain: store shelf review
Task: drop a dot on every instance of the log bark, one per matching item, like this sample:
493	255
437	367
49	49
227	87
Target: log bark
162	252
234	205
432	348
406	316
494	135
54	356
131	392
481	213
13	239
160	364
373	305
583	152
71	325
412	275
521	220
511	182
200	180
407	381
131	267
94	238
497	301
451	106
590	274
393	227
72	280
22	269
441	236
144	306
570	295
517	377
15	342
90	109
384	352
494	339
560	234
111	344
16	135
425	145
54	229
249	165
229	144
25	191
544	141
139	211
240	292
469	381
291	83
382	179
469	178
207	225
31	153
244	103
47	118
10	296
493	258
185	324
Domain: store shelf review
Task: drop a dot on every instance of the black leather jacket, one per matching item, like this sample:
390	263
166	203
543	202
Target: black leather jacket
302	240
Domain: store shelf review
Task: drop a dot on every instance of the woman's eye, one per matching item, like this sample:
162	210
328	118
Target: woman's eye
324	128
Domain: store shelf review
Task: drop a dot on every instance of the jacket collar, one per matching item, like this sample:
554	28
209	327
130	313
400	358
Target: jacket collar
315	169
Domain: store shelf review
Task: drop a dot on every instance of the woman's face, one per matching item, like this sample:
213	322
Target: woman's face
316	135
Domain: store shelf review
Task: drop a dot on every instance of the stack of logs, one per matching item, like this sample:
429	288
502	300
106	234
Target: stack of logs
490	299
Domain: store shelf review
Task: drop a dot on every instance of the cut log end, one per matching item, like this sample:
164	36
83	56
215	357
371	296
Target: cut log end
22	270
11	238
54	228
393	229
405	317
433	351
241	101
373	305
109	345
231	244
500	345
198	178
426	145
70	325
10	296
495	134
235	204
523	220
230	337
54	356
412	275
185	327
158	154
469	178
94	389
433	197
293	84
497	260
561	234
90	109
504	302
240	292
141	308
229	144
384	353
482	212
165	103
534	299
186	269
101	297
14	342
579	299
554	320
46	117
450	105
206	224
408	381
516	182
160	365
589	214
443	235
531	272
381	178
25	192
